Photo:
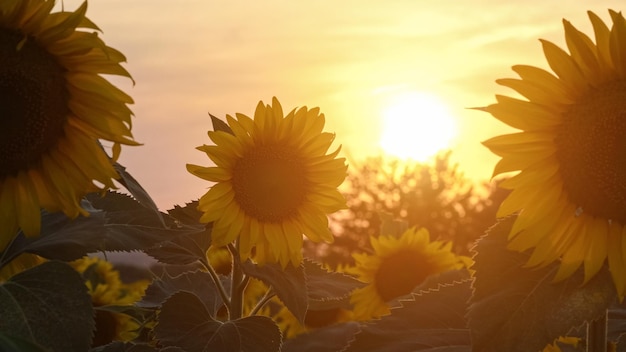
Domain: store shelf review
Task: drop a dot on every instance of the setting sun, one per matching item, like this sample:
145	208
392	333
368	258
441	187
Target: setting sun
416	126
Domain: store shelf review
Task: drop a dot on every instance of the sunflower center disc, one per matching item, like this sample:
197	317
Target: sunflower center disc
591	149
400	273
269	183
33	102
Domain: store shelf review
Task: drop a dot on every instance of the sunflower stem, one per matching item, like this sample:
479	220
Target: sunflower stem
238	283
216	281
269	294
597	334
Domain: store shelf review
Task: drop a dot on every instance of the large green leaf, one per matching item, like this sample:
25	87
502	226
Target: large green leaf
17	344
116	222
196	282
515	308
328	339
49	305
187	248
328	290
432	320
185	322
119	346
288	283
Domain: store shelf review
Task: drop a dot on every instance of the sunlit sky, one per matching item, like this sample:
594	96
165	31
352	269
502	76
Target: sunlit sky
351	58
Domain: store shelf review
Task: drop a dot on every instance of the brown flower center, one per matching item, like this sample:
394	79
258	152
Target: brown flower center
33	102
269	183
399	273
591	150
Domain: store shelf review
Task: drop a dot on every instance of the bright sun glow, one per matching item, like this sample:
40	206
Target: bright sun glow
416	126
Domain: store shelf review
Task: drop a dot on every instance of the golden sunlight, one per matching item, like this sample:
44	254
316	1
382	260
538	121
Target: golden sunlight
416	126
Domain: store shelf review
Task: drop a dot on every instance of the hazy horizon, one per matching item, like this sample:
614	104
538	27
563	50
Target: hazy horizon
192	57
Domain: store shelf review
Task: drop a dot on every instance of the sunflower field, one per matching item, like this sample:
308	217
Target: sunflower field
548	275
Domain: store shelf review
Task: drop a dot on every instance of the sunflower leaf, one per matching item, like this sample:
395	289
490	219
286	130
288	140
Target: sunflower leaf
50	292
328	339
116	222
198	283
187	248
219	125
188	214
184	322
10	343
515	308
288	283
136	190
328	290
431	320
119	346
617	324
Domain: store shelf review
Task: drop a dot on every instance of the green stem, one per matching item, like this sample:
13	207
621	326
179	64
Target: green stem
269	294
597	334
238	284
217	282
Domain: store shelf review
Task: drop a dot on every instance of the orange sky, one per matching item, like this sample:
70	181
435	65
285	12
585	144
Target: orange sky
191	57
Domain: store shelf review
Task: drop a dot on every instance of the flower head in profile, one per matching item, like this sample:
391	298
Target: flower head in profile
570	195
274	182
55	107
397	266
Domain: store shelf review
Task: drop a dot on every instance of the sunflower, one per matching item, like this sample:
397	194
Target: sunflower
570	195
55	108
220	259
274	182
314	319
397	266
107	289
21	263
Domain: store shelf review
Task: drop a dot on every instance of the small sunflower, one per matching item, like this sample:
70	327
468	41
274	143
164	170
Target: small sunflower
314	319
274	182
23	262
107	289
54	109
397	266
220	259
571	192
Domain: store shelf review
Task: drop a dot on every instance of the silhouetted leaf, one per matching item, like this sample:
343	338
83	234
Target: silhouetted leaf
187	248
197	282
185	322
48	304
137	313
182	250
328	339
136	190
188	214
432	320
17	344
514	308
327	290
288	283
617	325
116	222
219	125
119	346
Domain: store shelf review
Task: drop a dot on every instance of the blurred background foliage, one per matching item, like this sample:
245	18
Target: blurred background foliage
434	195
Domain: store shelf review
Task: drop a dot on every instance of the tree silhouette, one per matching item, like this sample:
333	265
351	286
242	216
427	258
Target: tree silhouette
436	196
